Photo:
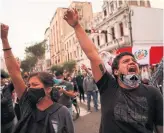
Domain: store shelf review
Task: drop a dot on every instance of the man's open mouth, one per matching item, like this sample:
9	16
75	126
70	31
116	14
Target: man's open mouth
132	70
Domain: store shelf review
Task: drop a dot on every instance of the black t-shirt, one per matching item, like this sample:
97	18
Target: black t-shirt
129	111
79	80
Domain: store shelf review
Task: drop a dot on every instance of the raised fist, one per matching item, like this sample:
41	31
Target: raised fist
83	67
71	16
4	31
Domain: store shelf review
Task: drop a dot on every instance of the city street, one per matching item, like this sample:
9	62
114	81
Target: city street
88	122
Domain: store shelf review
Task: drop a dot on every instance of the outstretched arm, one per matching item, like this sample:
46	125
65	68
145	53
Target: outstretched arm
11	64
98	69
83	67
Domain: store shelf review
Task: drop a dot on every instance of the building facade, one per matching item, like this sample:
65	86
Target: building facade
63	42
116	22
47	60
120	19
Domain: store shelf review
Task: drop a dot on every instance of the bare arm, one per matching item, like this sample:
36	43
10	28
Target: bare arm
87	71
11	64
98	69
69	93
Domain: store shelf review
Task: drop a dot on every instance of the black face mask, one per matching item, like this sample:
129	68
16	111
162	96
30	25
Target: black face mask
35	95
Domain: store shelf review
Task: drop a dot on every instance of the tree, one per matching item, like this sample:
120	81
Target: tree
33	53
4	73
28	63
69	66
37	50
56	68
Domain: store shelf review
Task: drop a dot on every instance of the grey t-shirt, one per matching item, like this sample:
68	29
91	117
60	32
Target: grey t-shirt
64	99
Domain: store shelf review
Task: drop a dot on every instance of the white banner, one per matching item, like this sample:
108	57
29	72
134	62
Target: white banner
108	60
142	55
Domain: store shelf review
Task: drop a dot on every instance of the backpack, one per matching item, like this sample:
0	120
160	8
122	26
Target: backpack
49	129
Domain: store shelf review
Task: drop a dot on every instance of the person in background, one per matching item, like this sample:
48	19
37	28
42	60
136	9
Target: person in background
79	81
7	109
89	73
90	89
25	77
67	91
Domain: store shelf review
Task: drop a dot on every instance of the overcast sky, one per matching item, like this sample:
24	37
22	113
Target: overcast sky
28	19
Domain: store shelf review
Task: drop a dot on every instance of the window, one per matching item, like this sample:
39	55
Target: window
77	51
98	41
74	40
121	29
70	43
75	54
142	3
112	7
106	37
93	40
113	33
105	13
120	2
70	55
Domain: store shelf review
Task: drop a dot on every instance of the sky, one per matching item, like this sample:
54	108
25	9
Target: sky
28	19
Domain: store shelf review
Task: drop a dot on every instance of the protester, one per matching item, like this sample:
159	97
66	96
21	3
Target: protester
90	89
39	113
126	104
67	92
7	109
89	73
79	81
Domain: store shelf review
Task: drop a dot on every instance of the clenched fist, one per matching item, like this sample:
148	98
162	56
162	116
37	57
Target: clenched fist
71	16
4	31
83	67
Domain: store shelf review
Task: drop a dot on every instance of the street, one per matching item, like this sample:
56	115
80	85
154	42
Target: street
87	122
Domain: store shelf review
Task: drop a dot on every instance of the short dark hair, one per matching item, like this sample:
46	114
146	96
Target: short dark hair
44	77
116	60
3	76
58	73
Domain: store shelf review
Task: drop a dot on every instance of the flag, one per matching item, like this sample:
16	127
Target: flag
142	55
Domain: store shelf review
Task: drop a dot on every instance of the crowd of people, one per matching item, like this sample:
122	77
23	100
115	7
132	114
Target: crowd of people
127	104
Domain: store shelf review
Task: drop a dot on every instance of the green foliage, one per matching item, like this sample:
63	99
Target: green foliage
37	50
69	66
28	63
33	53
56	68
3	72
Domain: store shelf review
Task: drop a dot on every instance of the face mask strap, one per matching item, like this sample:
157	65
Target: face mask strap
122	77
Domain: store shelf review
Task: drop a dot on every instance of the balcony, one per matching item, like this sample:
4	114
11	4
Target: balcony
102	46
124	41
117	43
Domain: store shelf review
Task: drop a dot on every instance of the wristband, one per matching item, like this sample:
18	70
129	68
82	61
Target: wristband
5	49
74	25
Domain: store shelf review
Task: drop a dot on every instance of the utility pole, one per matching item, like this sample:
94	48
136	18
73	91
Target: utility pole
130	26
